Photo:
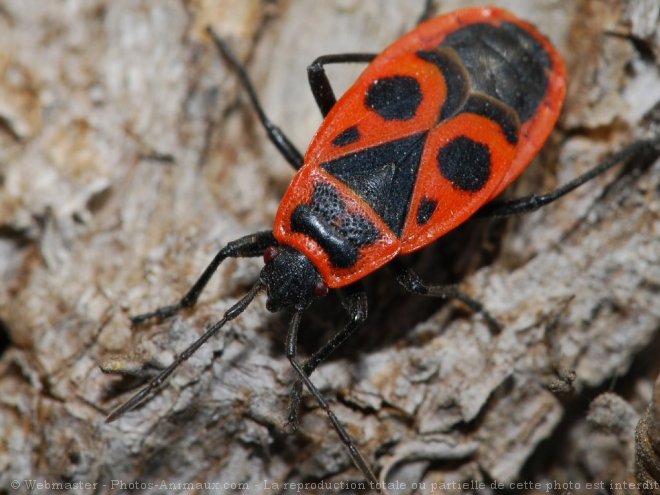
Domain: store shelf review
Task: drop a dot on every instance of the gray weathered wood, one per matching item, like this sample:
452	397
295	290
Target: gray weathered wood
128	156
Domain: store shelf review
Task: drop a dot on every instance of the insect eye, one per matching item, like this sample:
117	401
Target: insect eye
270	253
321	289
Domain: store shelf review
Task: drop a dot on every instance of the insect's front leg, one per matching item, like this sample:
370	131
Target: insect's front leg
246	247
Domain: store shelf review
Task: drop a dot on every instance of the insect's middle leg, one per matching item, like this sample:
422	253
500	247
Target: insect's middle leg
354	301
283	144
412	283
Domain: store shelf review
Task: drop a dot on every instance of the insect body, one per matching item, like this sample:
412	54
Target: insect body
435	128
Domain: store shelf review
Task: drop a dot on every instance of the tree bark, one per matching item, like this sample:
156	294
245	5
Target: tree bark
129	155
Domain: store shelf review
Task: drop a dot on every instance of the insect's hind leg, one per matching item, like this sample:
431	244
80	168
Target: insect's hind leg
283	144
649	149
412	283
318	79
354	301
428	12
250	246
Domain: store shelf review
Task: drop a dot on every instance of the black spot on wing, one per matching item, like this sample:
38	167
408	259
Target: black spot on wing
425	210
394	98
456	79
496	111
349	136
339	232
505	62
465	163
384	176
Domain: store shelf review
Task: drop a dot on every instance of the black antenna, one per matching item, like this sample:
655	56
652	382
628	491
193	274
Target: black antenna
158	380
346	439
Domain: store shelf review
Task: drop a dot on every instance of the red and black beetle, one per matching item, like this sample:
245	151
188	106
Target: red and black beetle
432	131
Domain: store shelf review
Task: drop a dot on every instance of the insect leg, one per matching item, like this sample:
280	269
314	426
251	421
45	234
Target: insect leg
318	79
649	149
354	301
283	144
246	247
412	283
356	456
427	13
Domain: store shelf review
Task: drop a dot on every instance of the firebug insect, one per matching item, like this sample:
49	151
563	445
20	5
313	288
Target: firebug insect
434	129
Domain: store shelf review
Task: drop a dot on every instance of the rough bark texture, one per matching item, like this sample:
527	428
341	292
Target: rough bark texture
129	155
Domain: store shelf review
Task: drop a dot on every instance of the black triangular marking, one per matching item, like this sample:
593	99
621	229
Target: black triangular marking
384	176
373	184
